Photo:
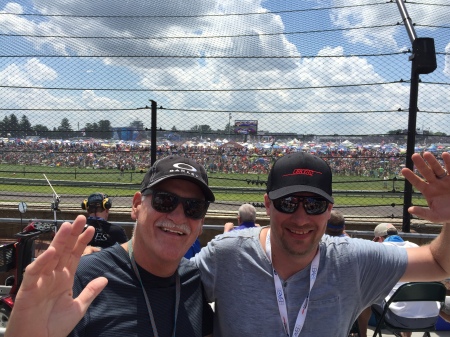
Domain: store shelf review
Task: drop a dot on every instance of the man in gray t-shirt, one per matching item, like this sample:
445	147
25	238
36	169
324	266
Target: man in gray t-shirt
289	280
281	280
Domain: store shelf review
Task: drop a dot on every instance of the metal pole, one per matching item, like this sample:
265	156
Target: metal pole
423	62
406	20
411	141
229	126
153	133
412	118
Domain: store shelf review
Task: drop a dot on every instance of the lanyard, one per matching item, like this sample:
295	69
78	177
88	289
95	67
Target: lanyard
147	302
280	293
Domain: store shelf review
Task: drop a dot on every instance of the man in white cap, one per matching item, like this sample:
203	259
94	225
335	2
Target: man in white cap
383	230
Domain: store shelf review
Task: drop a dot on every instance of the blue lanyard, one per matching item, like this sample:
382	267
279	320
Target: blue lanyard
147	301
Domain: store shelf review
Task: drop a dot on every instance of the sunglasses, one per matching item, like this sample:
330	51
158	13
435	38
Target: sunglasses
165	202
311	205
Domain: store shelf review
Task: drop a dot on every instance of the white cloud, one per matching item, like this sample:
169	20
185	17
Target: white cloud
367	16
210	73
92	100
30	73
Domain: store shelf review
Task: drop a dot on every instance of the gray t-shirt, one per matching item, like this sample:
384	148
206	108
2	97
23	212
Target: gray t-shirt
237	276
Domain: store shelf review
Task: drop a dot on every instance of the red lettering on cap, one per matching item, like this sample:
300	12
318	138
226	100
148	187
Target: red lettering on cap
306	172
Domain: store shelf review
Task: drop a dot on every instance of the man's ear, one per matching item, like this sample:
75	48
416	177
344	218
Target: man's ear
137	201
267	203
200	231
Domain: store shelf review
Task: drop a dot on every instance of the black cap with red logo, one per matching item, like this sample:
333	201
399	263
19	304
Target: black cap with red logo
300	172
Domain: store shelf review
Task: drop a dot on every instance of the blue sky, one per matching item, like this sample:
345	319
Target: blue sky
191	36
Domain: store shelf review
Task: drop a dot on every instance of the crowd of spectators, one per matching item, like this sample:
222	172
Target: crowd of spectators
361	161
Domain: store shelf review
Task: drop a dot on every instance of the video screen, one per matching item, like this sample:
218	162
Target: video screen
247	127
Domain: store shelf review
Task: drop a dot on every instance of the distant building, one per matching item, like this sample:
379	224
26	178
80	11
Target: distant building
125	133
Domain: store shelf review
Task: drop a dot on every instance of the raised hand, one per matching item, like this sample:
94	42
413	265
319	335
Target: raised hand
44	305
434	186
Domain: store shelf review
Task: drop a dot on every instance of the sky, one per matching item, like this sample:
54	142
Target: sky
191	48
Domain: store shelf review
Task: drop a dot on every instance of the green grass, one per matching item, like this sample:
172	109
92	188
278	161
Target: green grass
252	185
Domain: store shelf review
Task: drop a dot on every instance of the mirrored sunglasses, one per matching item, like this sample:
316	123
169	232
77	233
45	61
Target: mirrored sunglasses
311	205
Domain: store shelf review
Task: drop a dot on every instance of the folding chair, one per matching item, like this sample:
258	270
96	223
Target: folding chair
354	331
411	292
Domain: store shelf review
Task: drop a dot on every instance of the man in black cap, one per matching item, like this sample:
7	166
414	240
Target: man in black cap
287	278
148	285
106	234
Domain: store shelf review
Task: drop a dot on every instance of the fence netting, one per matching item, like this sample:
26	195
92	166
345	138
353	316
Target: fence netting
237	84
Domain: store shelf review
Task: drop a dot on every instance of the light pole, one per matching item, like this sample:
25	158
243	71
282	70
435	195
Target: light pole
229	126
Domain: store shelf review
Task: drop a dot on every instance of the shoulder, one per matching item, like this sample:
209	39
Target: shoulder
358	249
232	245
336	243
187	269
241	236
106	261
362	261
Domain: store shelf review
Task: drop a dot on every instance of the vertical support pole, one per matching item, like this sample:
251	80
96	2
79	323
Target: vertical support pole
412	119
423	62
153	133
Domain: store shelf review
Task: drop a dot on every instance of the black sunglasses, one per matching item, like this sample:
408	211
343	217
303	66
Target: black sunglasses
165	202
311	205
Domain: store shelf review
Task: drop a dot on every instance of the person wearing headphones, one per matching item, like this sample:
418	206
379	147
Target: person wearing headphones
106	234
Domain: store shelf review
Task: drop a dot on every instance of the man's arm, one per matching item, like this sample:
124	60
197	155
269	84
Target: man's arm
228	227
91	249
44	300
431	262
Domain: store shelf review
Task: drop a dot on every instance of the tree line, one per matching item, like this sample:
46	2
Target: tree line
12	127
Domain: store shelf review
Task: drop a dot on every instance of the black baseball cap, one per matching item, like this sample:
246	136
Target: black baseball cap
180	168
96	199
300	172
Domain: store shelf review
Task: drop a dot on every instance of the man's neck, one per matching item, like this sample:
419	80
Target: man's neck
96	217
154	266
285	263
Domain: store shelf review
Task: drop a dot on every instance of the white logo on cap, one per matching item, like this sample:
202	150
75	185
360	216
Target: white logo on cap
184	166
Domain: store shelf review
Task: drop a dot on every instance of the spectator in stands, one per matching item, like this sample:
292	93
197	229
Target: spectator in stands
383	230
246	218
336	224
106	234
401	313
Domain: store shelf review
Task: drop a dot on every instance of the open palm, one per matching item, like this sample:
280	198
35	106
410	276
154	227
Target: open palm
44	300
434	186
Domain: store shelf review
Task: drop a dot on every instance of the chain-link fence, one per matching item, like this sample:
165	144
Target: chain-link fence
236	84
